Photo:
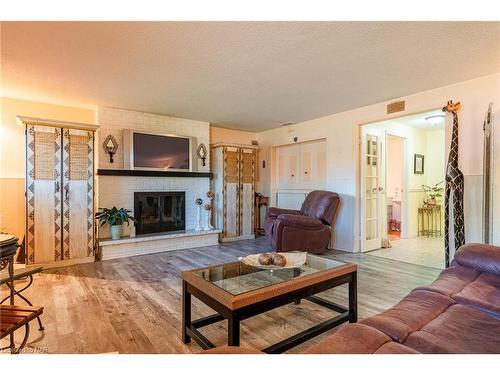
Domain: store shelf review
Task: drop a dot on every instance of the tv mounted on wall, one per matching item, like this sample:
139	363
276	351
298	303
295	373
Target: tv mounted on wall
155	151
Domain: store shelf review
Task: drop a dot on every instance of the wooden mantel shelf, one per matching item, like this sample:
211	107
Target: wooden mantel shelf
141	173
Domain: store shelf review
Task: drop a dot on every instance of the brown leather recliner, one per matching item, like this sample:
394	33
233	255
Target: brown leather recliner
306	230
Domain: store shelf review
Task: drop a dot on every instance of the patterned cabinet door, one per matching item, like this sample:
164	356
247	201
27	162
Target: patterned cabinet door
78	190
247	183
43	194
231	193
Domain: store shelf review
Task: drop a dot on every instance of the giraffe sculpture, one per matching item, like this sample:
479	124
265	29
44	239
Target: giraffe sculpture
454	190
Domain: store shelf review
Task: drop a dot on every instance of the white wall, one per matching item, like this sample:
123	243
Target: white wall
118	191
435	160
341	131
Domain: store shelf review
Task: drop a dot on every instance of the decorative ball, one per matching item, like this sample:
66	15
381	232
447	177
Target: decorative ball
265	259
279	260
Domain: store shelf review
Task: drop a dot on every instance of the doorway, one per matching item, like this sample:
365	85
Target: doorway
395	170
402	182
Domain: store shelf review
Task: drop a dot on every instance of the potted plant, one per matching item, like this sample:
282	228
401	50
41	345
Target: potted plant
115	218
433	192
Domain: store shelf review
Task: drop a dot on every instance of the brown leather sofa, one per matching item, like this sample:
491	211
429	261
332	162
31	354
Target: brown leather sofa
307	229
458	313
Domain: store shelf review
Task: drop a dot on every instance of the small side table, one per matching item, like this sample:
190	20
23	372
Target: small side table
429	220
260	201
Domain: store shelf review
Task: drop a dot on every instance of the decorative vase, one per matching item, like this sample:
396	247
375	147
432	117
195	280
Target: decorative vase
208	219
116	232
132	231
198	219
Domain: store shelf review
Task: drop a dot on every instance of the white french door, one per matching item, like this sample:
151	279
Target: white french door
371	189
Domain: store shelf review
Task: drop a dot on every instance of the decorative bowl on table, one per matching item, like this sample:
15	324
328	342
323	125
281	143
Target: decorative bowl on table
292	260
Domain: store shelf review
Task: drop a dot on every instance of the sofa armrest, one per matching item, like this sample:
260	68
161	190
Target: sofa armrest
481	257
299	221
275	212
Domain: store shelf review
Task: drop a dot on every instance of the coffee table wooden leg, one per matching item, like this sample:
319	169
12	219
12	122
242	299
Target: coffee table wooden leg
353	299
233	330
186	313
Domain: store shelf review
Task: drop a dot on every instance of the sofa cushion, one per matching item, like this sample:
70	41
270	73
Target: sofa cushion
460	329
352	338
413	312
481	257
483	294
452	280
395	348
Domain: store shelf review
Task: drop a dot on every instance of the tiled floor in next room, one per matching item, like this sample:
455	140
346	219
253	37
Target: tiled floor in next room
423	251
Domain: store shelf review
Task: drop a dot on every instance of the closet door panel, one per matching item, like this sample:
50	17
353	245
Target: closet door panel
231	192
319	166
78	194
247	178
292	160
306	165
43	193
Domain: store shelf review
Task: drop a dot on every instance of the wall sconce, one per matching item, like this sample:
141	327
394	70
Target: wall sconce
202	153
110	146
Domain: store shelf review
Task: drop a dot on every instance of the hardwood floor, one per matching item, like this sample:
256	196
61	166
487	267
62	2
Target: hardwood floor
132	305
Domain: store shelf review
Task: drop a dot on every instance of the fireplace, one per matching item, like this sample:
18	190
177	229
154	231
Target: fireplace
159	212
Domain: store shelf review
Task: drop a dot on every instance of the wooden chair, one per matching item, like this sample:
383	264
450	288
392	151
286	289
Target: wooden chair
14	317
24	274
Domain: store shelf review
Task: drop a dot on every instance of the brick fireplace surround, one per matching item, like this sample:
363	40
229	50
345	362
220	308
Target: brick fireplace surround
119	190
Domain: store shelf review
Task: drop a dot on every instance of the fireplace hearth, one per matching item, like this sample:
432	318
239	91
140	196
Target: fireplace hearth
160	212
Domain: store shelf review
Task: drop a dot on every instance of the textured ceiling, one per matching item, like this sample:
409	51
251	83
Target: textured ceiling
243	75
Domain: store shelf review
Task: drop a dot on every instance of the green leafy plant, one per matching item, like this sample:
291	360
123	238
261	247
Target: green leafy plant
114	216
435	191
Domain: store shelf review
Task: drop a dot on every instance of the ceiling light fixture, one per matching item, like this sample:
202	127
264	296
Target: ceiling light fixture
435	120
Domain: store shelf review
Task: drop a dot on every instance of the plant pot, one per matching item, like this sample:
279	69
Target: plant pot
116	232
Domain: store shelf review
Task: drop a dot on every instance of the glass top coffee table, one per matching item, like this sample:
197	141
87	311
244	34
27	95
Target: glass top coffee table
237	291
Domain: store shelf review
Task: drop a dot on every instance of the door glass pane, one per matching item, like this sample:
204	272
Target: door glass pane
371	185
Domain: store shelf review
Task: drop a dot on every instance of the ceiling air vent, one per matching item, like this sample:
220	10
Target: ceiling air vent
396	107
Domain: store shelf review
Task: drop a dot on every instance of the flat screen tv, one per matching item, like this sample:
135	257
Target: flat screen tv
151	151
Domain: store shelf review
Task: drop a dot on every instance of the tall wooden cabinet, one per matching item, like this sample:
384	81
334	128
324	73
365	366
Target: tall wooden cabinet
234	187
59	191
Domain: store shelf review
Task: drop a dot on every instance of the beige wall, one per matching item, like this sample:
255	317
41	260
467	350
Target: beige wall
341	131
224	135
12	155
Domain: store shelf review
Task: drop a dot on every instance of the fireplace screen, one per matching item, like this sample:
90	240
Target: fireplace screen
159	212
